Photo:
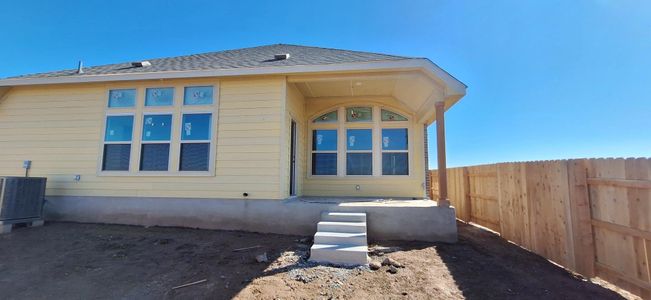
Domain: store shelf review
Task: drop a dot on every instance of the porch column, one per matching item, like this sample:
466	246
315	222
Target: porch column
440	151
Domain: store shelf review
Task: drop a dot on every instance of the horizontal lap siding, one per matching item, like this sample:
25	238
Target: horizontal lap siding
295	110
59	129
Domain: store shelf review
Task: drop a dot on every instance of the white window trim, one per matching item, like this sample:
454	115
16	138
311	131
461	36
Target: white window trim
376	125
312	151
104	142
382	151
211	142
177	111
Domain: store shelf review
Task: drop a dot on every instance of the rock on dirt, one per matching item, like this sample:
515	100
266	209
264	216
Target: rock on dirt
392	270
377	250
261	258
392	262
374	265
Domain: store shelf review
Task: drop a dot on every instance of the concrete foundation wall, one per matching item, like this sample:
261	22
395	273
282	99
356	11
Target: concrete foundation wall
385	222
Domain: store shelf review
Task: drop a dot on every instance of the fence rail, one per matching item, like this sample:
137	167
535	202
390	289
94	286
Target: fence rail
592	216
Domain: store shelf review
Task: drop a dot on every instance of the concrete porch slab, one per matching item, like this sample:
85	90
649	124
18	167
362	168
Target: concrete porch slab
388	219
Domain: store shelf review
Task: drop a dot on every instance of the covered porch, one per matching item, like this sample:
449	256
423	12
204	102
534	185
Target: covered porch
363	135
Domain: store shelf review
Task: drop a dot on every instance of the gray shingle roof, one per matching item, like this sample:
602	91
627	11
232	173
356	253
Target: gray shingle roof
254	57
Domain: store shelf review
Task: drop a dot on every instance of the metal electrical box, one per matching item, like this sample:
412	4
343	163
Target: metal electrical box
21	199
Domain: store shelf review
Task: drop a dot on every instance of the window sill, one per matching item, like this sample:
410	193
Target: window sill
155	174
349	177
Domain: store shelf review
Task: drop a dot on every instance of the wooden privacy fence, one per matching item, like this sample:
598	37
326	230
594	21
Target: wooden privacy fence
592	216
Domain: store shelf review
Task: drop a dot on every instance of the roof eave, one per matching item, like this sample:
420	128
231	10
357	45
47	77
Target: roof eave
455	87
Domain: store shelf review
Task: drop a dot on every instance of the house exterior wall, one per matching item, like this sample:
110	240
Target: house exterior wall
295	110
370	186
59	128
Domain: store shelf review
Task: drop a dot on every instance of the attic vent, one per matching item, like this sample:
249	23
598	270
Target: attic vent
139	64
281	56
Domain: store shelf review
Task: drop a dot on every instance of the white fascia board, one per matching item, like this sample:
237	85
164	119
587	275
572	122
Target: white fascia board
432	69
454	86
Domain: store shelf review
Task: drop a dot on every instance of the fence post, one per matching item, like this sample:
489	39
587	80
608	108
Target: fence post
584	251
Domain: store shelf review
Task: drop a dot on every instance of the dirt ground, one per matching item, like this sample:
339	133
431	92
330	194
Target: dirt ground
83	261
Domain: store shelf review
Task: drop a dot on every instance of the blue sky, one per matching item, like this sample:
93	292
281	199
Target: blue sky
547	79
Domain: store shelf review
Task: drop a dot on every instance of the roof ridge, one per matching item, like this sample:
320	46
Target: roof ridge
281	44
338	49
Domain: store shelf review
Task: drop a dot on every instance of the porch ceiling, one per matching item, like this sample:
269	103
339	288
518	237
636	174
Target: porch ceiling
414	89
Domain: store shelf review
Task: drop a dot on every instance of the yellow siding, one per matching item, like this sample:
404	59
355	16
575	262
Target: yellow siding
391	186
59	129
296	111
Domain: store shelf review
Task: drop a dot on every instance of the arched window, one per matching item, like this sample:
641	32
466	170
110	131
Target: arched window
330	117
389	116
367	140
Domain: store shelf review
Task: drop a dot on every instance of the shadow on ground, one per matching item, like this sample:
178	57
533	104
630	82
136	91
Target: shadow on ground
485	266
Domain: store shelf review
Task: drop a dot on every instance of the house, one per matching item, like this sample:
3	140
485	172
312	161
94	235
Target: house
261	139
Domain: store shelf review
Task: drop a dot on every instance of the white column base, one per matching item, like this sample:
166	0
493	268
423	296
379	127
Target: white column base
5	228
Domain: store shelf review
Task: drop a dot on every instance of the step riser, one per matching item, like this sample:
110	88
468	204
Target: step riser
338	257
342	218
341	239
336	240
341	228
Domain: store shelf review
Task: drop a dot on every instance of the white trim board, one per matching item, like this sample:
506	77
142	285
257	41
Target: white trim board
455	87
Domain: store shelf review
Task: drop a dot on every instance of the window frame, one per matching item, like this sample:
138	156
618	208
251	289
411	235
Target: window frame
104	142
108	97
382	151
176	110
329	126
370	151
174	94
210	142
376	125
143	142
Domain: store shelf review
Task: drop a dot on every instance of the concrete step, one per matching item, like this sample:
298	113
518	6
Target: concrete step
339	254
346	227
343	217
340	238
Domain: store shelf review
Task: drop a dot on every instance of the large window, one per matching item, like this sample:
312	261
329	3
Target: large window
359	152
324	152
395	152
195	142
156	138
172	136
367	140
117	143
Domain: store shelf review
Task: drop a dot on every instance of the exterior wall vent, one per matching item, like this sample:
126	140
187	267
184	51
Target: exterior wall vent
140	64
281	56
